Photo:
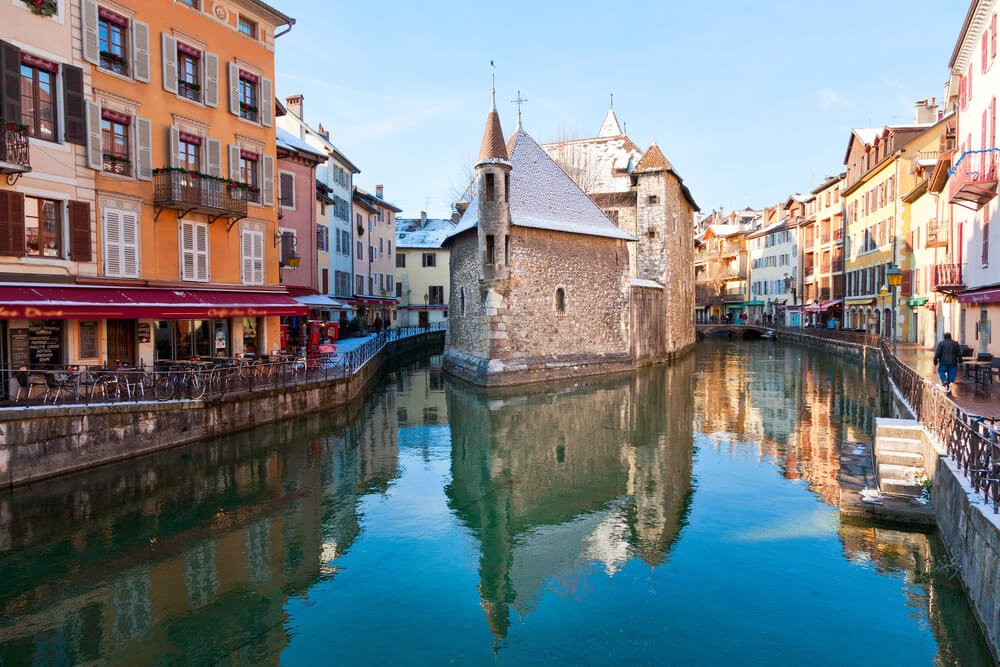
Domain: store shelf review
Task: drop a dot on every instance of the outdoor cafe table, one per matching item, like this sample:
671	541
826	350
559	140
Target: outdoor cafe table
979	371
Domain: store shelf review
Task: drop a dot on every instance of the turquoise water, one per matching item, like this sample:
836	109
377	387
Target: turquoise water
680	515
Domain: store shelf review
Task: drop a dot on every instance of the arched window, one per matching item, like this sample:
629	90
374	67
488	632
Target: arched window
560	300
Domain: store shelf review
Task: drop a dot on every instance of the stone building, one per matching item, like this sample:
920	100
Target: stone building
544	282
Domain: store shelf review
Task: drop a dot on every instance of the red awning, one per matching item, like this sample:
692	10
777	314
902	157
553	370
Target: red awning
70	302
985	295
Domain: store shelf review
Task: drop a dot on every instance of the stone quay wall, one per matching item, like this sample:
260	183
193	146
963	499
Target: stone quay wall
41	442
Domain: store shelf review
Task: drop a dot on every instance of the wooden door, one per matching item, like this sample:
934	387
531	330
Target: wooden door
121	342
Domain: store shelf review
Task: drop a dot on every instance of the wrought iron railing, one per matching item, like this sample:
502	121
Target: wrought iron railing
947	275
14	148
180	189
974	168
205	379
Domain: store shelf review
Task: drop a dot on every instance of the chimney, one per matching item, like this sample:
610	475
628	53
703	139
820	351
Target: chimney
460	208
926	111
379	190
423	219
294	104
321	131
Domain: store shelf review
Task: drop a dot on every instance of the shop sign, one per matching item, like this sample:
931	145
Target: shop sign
29	313
144	332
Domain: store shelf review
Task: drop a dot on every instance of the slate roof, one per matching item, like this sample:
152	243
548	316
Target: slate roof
542	196
653	160
493	148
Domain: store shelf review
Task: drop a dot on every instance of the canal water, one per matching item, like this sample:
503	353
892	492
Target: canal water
683	514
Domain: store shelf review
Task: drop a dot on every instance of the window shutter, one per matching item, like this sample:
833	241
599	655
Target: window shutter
79	232
214	155
130	245
95	160
211	79
234	163
266	102
169	64
173	141
258	257
201	252
234	89
143	149
267	188
140	51
74	106
287	246
982	57
187	251
246	257
286	190
11	223
91	50
10	82
112	243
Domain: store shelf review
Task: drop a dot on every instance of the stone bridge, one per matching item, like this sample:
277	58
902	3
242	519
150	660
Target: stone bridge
730	330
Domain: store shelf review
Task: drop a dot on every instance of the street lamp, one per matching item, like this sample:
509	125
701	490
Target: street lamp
895	278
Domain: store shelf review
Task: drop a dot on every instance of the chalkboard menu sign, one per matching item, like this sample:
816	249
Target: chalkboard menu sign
144	332
18	347
45	343
88	339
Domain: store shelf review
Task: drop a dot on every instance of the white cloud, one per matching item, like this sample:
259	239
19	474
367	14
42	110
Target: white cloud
829	98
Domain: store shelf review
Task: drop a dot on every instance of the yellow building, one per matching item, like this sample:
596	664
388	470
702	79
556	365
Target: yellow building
422	276
877	172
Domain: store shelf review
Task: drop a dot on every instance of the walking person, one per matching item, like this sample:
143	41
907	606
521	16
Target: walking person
947	356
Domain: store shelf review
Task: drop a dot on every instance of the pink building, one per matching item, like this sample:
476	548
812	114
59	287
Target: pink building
374	261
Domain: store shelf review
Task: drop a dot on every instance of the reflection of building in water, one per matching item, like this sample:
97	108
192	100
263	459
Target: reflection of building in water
724	405
160	559
929	581
549	482
420	395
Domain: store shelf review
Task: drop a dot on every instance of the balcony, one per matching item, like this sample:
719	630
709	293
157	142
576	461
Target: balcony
947	278
937	234
14	151
188	192
973	179
733	295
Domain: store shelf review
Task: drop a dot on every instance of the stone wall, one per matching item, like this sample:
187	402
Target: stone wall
466	307
42	442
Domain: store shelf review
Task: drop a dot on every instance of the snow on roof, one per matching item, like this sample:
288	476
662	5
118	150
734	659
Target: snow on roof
610	127
729	230
640	282
411	234
542	196
868	134
293	143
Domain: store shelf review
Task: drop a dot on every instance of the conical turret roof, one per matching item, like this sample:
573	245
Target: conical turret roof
653	160
610	127
493	148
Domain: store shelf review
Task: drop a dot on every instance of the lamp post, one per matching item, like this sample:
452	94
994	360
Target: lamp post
895	278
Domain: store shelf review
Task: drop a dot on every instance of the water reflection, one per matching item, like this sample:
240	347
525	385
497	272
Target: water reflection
438	516
551	480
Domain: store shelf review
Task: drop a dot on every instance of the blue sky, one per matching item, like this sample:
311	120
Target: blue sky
750	101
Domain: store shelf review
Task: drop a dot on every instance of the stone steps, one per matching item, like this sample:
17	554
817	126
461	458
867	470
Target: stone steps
892	457
891	472
901	488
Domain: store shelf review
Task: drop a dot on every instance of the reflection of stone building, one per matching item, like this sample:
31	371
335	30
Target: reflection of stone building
188	553
613	483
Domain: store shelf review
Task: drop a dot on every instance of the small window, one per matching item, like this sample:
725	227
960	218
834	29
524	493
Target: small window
429	259
115	141
506	249
399	290
490	188
188	72
491	249
111	37
286	189
191	3
400	260
506	187
248	27
248	96
435	295
462	301
42	227
653	199
560	300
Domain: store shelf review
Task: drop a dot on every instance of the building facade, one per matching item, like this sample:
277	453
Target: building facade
422	270
773	252
824	291
374	263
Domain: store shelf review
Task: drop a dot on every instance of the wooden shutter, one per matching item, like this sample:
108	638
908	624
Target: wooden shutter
213	153
112	243
286	190
201	252
95	159
234	89
173	141
11	223
258	257
266	102
267	180
79	232
130	244
169	64
10	82
140	51
211	79
91	50
144	149
74	105
234	163
187	251
246	257
287	246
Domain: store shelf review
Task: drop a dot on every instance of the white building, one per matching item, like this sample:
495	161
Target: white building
972	184
774	271
422	270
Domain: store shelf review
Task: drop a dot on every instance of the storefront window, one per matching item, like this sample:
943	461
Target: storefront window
251	332
184	339
163	340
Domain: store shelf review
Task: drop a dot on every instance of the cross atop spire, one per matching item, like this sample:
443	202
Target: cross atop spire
519	101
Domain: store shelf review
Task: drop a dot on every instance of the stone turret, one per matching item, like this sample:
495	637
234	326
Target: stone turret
493	186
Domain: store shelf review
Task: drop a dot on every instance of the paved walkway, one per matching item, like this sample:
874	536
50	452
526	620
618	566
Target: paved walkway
347	344
963	392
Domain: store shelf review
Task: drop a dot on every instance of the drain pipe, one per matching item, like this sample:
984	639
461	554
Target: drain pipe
288	29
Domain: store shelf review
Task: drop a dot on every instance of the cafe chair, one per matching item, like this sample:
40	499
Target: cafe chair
28	386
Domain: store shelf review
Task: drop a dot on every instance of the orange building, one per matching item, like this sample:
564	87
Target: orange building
179	125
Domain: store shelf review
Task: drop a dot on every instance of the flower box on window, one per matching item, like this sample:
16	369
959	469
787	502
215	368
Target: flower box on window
114	62
117	164
42	7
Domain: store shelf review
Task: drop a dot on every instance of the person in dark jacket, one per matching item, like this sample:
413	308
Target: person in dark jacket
947	356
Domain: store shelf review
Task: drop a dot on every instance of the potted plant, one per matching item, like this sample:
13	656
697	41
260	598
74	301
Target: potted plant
42	7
